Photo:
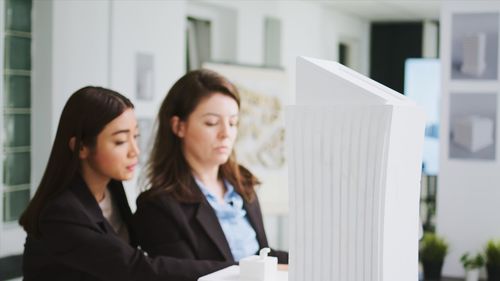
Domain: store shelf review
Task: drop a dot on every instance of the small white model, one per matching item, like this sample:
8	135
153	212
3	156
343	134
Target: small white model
259	268
253	268
474	54
473	132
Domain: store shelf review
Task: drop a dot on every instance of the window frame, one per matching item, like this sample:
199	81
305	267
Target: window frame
12	236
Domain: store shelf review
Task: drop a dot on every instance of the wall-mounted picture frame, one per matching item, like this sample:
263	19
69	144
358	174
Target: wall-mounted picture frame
474	46
473	119
144	76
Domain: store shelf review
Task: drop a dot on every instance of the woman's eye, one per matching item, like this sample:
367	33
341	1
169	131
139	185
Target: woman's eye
120	141
210	123
137	136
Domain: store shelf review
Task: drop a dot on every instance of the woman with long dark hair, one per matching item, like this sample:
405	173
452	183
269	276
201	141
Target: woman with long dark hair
201	204
78	220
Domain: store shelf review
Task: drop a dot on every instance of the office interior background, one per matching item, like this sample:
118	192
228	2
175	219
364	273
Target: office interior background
51	48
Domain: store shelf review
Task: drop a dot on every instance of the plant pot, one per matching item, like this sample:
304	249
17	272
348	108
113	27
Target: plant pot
432	270
472	274
493	272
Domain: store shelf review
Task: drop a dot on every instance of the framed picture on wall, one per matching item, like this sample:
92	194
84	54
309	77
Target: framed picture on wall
473	119
474	46
144	78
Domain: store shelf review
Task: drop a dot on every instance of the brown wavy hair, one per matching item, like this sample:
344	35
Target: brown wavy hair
167	169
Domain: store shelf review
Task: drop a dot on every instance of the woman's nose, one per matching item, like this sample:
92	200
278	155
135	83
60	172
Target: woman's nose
224	130
134	148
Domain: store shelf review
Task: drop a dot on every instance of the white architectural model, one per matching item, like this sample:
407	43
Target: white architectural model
253	268
473	132
354	152
259	268
474	54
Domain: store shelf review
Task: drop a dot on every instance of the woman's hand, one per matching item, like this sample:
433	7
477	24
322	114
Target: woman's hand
283	267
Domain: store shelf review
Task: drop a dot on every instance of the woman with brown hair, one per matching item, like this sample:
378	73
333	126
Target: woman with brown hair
200	204
78	222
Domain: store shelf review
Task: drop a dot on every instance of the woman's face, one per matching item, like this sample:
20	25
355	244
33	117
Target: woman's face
209	133
116	152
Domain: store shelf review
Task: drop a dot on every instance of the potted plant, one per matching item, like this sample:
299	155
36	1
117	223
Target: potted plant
492	252
433	250
472	265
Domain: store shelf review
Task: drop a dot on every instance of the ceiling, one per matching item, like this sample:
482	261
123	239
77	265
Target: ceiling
386	10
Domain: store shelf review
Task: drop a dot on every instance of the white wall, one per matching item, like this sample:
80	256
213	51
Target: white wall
468	190
249	27
312	30
223	22
80	43
151	27
344	28
42	119
70	50
308	29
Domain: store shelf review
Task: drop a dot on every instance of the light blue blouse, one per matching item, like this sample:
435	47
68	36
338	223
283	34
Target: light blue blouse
233	219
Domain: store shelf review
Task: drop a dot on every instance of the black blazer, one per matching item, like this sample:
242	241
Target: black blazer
77	243
165	226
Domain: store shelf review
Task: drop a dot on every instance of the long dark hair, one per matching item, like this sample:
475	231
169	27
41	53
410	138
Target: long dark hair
84	116
167	169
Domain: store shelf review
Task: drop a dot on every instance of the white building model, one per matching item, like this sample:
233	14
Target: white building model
474	54
473	132
354	152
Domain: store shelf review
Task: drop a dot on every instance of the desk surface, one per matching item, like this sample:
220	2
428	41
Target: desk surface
232	273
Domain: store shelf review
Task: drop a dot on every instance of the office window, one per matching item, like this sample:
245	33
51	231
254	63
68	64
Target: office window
423	84
16	146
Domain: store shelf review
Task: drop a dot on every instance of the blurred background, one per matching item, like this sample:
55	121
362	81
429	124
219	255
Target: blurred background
140	48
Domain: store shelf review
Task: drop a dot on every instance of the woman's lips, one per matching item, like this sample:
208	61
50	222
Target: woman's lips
131	167
222	149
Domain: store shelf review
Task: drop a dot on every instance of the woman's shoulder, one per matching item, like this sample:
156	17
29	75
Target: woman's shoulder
64	207
75	203
155	196
152	203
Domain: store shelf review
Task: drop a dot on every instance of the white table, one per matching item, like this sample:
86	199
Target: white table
232	273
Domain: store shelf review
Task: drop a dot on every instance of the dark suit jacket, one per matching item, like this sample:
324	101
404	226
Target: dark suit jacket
165	226
77	243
